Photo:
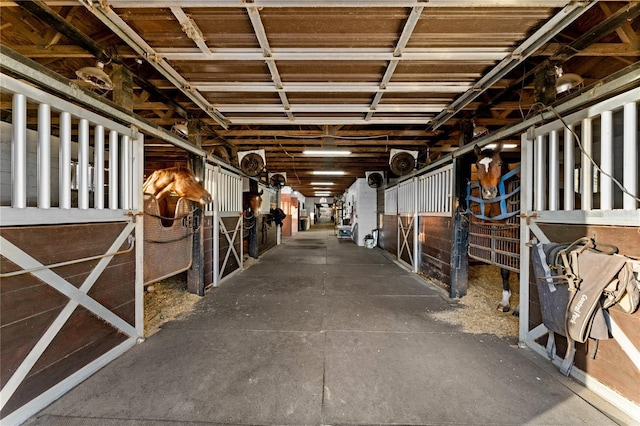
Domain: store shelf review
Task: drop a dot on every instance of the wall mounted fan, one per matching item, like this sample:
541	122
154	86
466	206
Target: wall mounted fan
252	162
278	180
402	161
375	179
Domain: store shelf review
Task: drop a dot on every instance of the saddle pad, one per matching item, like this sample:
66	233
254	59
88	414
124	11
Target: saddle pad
596	271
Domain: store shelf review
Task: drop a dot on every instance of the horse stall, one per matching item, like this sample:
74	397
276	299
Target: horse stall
267	228
567	197
223	224
417	224
71	241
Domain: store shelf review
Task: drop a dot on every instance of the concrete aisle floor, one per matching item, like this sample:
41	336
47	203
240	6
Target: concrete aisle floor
323	332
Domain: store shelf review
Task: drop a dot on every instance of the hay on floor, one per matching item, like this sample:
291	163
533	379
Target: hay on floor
166	300
477	313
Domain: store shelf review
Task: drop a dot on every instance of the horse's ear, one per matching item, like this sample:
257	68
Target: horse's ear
498	148
477	150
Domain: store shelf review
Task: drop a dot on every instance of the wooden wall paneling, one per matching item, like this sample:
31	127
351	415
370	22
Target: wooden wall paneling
435	236
30	306
388	236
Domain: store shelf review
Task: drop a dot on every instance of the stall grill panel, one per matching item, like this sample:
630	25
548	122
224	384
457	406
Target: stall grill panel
226	211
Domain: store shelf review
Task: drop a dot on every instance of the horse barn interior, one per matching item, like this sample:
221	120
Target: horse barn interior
364	118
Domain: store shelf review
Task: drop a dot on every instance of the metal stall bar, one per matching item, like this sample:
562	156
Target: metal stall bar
98	168
83	162
569	165
126	173
114	188
19	152
606	160
587	168
630	155
540	172
554	170
44	156
65	160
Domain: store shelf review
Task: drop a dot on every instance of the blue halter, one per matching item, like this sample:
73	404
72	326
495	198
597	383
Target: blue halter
502	198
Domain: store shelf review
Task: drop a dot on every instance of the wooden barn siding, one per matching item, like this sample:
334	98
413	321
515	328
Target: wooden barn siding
28	306
388	235
612	366
435	236
267	235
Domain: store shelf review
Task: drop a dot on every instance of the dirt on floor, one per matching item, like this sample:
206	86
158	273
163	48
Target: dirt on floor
477	313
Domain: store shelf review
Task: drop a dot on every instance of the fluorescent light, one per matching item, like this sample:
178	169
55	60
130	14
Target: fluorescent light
321	194
504	146
328	172
325	153
322	183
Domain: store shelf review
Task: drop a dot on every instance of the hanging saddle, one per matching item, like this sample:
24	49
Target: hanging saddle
577	283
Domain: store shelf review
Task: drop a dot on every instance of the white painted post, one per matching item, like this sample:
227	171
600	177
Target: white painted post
215	180
526	205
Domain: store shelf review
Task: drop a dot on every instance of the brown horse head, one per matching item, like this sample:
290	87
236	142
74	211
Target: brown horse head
252	201
179	180
490	168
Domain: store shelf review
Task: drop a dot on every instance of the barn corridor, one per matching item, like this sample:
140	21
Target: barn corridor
321	331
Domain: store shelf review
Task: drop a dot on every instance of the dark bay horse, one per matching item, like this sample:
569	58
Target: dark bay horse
179	180
491	171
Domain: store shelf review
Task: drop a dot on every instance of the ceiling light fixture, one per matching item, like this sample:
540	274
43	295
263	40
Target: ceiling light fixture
566	82
325	153
504	146
181	129
329	172
322	183
479	131
96	76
